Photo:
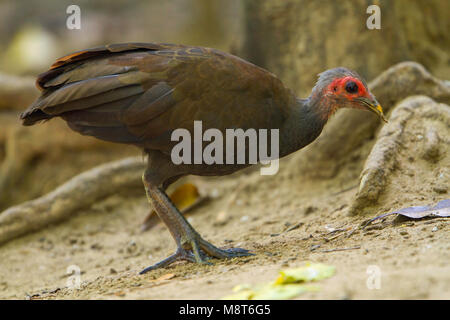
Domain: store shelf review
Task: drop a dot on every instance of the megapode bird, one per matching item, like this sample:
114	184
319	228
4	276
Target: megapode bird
139	93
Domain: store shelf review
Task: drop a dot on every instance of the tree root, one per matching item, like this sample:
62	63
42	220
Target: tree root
77	193
396	149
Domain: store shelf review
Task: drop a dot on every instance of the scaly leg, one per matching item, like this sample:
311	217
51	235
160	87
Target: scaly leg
190	245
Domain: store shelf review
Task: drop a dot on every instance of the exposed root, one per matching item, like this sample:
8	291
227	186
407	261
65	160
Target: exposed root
79	192
395	140
28	154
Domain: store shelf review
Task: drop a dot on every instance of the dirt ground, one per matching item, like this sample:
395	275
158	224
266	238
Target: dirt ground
284	219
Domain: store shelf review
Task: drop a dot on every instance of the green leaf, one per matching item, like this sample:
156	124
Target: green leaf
309	272
269	292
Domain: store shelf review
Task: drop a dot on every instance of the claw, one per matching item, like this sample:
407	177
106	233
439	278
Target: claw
201	252
177	256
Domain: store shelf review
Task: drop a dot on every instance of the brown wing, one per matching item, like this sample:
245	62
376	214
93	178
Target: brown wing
139	93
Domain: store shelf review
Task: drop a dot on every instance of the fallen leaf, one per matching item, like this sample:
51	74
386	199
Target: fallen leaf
286	286
164	277
441	209
270	291
277	292
309	272
120	293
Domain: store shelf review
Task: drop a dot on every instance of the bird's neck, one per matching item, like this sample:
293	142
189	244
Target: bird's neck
303	126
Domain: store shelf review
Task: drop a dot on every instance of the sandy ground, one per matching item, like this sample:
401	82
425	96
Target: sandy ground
284	219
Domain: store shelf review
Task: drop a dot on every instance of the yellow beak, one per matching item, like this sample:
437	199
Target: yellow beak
379	111
373	106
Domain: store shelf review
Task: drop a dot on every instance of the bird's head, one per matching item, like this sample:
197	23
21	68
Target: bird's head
342	88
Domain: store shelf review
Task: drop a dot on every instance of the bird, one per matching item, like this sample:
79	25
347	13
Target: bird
140	93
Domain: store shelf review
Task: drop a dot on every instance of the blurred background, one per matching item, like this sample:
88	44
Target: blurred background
33	34
295	39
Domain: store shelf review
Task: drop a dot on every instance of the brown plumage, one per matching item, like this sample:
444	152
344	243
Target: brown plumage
138	93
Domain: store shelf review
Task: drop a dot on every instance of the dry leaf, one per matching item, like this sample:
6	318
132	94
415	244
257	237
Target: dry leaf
441	209
269	292
164	277
120	293
309	272
286	285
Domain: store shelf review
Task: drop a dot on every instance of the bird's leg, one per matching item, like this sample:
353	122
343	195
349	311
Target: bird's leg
190	245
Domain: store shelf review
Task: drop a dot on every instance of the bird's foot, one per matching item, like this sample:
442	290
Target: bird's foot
199	251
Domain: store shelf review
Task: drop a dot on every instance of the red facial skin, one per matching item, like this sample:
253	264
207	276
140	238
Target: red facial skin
336	89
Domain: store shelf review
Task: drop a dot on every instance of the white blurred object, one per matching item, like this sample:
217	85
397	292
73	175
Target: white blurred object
32	49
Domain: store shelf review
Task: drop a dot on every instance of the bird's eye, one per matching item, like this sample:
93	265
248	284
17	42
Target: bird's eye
351	87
